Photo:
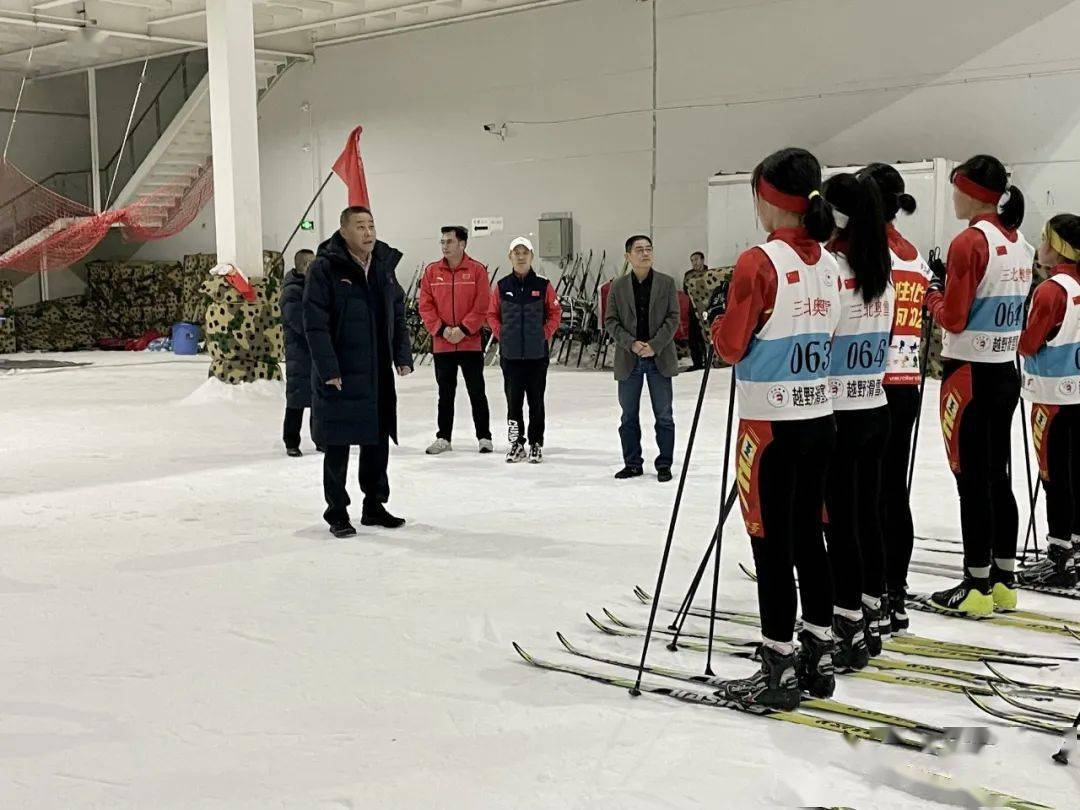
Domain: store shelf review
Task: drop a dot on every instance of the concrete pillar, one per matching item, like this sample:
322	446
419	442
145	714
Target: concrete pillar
230	41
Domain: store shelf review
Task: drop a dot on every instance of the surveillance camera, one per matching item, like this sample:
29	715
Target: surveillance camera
490	127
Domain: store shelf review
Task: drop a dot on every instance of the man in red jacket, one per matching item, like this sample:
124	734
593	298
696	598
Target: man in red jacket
454	297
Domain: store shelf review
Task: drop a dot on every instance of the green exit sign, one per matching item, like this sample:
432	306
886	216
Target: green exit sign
307	225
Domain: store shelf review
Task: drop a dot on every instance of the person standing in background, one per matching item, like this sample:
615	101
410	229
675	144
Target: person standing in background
524	316
697	337
642	318
454	297
354	318
297	354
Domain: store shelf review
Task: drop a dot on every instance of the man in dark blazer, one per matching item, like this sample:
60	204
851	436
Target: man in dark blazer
642	318
354	318
297	355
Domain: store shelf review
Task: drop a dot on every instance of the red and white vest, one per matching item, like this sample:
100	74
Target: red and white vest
1052	374
860	345
910	280
996	317
784	374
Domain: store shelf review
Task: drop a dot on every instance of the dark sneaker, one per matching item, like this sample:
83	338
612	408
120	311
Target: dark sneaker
629	472
293	452
343	529
814	666
515	454
971	597
536	454
850	652
774	685
378	516
663	475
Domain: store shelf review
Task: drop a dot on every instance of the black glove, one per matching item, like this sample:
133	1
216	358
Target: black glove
937	267
717	302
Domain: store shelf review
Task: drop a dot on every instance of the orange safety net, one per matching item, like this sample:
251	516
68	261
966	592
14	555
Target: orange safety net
41	230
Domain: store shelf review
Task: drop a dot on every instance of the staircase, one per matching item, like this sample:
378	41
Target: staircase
181	153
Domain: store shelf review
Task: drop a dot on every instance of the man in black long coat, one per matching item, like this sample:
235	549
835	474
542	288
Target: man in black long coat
297	355
354	318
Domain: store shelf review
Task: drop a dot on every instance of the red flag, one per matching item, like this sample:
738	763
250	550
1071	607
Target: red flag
350	168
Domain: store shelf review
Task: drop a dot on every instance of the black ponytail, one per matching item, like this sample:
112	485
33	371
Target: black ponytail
797	172
866	243
891	184
1067	226
989	172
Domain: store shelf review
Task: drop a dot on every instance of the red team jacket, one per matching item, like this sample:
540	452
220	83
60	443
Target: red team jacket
454	297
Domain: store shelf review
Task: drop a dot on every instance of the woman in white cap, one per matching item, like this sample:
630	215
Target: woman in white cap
524	315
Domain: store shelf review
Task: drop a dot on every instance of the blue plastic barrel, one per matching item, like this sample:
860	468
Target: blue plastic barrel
185	338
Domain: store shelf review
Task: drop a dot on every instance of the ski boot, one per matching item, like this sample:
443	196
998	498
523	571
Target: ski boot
884	619
850	652
814	665
971	596
774	685
1003	588
871	626
1060	573
897	615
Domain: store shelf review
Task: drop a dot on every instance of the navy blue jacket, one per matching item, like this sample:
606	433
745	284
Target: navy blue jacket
356	333
297	354
524	312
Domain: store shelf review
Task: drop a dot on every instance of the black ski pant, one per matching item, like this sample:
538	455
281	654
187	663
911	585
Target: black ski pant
978	401
472	369
896	519
1055	431
853	506
374	483
781	470
290	431
697	341
525	379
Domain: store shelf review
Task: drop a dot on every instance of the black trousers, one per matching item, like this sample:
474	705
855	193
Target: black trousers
525	379
978	401
896	519
290	432
373	480
853	506
781	474
1056	433
472	369
697	341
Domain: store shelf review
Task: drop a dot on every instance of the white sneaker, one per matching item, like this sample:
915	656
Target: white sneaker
515	454
438	446
536	454
486	446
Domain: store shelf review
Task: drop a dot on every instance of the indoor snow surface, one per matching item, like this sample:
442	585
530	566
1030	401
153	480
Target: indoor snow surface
180	630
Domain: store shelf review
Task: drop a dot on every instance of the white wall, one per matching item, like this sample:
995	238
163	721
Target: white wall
854	80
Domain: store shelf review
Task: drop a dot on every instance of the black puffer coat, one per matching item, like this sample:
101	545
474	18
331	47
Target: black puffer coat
342	320
297	354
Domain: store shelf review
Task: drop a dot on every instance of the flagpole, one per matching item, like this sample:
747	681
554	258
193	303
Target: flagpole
306	212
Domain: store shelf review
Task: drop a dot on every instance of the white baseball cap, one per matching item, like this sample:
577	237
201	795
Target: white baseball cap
521	241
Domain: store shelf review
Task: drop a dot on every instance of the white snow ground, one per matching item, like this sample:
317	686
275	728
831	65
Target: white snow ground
179	630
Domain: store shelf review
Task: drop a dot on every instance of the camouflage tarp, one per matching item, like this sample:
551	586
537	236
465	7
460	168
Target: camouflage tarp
245	339
135	297
62	325
7	318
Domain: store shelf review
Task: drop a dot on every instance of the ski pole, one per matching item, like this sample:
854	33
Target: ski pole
1031	520
1032	491
720	534
636	689
928	332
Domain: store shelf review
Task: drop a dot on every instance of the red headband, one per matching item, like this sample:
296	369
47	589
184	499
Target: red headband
975	191
788	202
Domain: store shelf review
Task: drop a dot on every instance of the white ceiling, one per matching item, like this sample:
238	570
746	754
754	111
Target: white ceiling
72	35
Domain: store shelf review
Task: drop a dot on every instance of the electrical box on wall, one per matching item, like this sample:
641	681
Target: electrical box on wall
556	236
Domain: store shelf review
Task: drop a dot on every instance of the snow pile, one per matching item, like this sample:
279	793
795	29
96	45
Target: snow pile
214	392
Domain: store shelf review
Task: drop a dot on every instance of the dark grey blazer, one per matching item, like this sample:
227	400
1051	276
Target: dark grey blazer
621	323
